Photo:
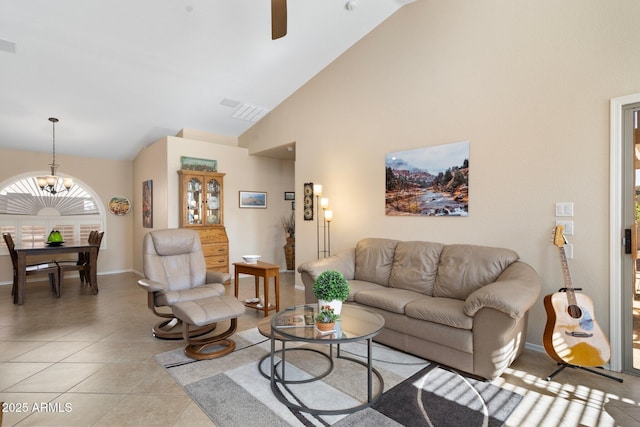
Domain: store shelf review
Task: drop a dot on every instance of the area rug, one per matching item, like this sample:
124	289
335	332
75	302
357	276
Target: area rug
232	391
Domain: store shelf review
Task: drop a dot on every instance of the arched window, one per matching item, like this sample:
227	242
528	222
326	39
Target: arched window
29	213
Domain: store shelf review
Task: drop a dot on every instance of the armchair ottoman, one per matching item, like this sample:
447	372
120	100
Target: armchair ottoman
204	312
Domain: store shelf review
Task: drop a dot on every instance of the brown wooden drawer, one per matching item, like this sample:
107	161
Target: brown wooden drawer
215	250
215	262
213	235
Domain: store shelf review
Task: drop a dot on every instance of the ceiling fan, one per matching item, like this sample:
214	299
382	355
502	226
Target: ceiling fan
278	19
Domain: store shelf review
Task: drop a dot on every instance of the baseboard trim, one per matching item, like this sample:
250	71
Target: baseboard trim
75	274
534	347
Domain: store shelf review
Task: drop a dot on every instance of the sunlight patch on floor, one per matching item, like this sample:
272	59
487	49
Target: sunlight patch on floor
547	402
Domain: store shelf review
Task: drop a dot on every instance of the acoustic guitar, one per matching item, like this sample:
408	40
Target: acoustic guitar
572	335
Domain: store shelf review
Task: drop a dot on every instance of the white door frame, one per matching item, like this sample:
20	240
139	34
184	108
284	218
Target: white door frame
615	230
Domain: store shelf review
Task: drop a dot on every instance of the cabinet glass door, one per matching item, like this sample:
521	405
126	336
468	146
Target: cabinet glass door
194	201
213	202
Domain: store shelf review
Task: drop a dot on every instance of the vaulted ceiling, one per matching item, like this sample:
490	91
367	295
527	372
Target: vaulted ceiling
121	74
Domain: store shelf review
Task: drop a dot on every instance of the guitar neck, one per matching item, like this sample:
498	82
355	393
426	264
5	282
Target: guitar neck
566	276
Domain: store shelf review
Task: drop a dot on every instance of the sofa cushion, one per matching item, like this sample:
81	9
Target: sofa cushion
388	299
432	332
374	259
169	298
415	266
465	268
445	311
356	286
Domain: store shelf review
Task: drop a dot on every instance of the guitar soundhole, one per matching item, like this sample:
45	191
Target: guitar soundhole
574	311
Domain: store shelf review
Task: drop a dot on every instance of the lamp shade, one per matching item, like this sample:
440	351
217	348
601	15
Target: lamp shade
328	215
317	189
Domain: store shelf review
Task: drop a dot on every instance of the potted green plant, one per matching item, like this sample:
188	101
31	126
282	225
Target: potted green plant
326	318
331	289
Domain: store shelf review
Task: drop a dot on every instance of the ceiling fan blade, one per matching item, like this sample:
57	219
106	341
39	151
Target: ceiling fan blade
278	19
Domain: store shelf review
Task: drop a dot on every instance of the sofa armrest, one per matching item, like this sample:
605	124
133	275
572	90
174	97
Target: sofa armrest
513	293
344	262
150	285
217	277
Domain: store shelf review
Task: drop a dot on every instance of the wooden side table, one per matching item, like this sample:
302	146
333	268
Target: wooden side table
258	270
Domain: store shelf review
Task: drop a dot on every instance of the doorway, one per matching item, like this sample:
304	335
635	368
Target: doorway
630	262
621	217
631	135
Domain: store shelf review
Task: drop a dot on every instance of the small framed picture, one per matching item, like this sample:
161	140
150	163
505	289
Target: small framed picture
308	201
147	204
253	199
289	195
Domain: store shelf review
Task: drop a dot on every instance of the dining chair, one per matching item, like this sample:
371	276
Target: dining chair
78	265
82	265
50	268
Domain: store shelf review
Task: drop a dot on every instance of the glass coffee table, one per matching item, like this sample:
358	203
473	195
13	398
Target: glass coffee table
288	327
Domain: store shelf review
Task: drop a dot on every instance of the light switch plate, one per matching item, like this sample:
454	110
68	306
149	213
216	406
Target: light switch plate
564	208
568	226
568	250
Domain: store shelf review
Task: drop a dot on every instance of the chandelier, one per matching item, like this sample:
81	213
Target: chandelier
49	183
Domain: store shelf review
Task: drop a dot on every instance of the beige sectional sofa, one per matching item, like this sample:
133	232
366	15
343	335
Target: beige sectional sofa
463	306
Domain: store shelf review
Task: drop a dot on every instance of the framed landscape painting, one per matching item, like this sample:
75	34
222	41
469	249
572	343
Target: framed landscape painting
432	181
195	164
253	199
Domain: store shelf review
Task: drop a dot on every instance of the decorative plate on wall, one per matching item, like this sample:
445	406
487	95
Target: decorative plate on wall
119	205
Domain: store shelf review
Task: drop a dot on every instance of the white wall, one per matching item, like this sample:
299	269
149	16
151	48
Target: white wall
528	84
149	164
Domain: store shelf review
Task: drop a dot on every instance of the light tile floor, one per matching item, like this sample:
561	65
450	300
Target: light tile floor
87	360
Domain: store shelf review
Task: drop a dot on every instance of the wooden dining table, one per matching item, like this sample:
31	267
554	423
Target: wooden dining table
25	249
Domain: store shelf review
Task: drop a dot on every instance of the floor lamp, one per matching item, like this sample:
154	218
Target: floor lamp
328	217
317	191
324	204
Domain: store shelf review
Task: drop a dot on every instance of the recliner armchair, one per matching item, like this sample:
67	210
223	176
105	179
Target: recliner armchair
175	271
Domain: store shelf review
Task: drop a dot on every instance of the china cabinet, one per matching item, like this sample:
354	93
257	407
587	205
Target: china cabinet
201	208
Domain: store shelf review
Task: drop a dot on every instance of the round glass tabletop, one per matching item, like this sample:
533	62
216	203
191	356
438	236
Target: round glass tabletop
355	323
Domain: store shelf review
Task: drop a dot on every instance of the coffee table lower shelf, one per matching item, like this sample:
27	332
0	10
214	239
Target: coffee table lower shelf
280	384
